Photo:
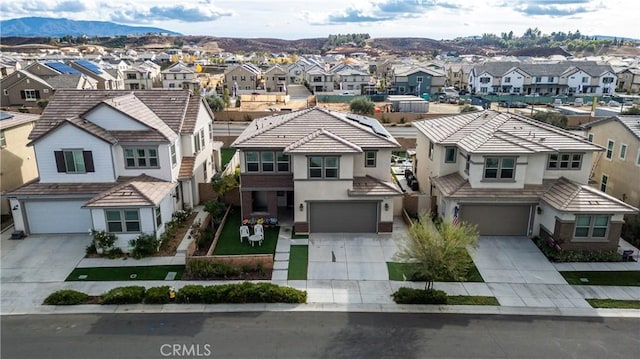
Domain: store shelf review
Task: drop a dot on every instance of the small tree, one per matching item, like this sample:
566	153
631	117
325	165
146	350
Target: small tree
634	110
468	108
222	184
362	106
552	118
438	251
216	209
215	103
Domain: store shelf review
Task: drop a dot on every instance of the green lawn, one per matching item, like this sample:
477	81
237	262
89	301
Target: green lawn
298	261
471	300
614	303
125	273
226	154
404	272
603	277
229	241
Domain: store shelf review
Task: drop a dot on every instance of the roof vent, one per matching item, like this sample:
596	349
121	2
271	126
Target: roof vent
542	139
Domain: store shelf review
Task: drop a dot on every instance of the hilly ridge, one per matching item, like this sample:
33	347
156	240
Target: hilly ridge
51	27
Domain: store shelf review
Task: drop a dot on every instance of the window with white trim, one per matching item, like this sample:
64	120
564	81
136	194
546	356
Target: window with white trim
3	141
564	161
623	151
610	145
594	226
252	161
370	158
74	161
323	167
172	152
267	161
431	148
140	157
450	154
590	138
499	168
122	220
158	213
603	183
283	161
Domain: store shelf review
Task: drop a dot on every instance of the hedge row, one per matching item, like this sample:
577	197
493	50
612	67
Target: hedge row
246	292
406	295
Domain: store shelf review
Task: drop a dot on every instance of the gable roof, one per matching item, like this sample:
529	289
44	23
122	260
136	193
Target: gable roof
630	122
322	141
495	132
167	105
14	119
140	191
281	131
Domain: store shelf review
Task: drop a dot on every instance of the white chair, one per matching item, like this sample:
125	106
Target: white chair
258	235
244	232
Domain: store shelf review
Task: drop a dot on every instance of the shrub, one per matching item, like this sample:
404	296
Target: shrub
124	295
216	209
91	248
66	297
144	245
246	292
190	294
576	256
362	105
204	237
468	108
157	295
180	216
406	295
198	269
115	252
103	240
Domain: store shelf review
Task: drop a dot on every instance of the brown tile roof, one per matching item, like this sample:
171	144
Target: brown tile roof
186	167
322	141
168	105
140	191
13	119
371	186
191	114
569	196
280	131
495	132
454	186
36	188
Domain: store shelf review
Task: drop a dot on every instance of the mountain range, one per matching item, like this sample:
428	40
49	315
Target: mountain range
52	27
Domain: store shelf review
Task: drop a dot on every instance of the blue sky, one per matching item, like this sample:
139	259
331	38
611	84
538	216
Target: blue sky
295	19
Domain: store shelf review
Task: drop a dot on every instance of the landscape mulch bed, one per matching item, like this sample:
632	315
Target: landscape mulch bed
169	248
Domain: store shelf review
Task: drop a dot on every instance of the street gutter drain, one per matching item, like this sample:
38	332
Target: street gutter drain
133	276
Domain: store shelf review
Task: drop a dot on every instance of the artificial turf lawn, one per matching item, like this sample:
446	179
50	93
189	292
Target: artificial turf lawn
471	300
229	241
298	261
404	272
614	303
124	273
603	277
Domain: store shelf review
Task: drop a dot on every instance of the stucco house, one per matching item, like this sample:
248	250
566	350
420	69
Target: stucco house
616	171
180	76
275	79
326	171
17	159
245	77
511	175
119	161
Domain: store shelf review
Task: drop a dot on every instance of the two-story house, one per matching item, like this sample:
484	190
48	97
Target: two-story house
105	80
351	79
319	79
180	76
245	77
629	80
416	80
616	171
511	175
142	76
328	170
275	79
18	160
119	161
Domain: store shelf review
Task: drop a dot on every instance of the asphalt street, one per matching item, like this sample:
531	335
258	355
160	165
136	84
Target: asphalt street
316	335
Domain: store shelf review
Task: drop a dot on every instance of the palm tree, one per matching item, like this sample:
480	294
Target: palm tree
438	251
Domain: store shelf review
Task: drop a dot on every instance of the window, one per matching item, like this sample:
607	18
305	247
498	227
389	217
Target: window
283	162
131	76
623	151
172	152
323	167
418	79
430	150
74	161
507	80
638	158
538	79
499	168
253	161
5	92
585	79
485	80
610	145
3	141
30	95
158	216
122	220
196	143
243	78
450	154
590	138
591	226
370	158
550	79
603	183
565	161
172	85
267	160
210	131
607	80
234	78
140	157
484	90
202	143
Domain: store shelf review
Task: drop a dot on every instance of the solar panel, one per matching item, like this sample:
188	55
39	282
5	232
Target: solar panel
371	123
5	116
91	66
62	67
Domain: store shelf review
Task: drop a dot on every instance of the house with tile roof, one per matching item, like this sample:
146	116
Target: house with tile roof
511	175
616	170
326	171
179	76
120	161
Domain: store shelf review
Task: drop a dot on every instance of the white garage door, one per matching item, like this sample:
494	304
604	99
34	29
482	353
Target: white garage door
58	217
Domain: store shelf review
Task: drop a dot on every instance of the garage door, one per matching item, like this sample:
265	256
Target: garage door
57	217
498	220
343	217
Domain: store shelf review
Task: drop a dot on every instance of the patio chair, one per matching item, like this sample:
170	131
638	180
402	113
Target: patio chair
244	232
258	235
